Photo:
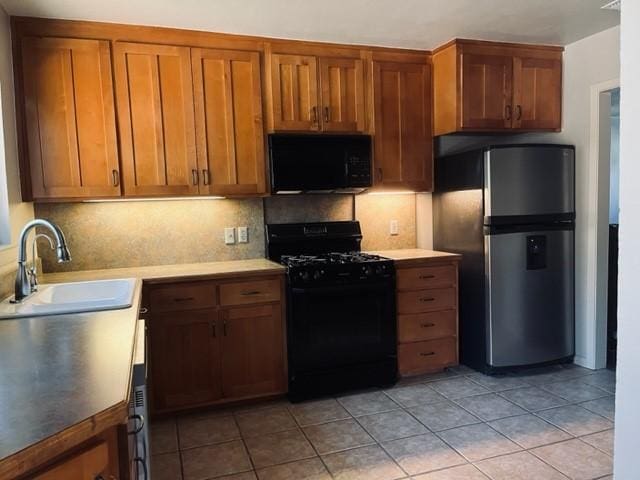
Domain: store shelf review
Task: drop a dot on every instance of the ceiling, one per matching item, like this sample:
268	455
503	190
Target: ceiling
395	23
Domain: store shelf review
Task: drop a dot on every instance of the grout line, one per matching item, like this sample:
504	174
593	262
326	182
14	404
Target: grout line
400	407
304	434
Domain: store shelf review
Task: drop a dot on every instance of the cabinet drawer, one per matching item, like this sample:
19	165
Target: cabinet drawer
426	277
426	326
182	296
427	300
255	291
429	356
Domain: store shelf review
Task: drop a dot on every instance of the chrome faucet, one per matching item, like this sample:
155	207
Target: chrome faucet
26	282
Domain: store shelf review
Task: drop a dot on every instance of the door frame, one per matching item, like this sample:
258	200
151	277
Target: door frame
598	175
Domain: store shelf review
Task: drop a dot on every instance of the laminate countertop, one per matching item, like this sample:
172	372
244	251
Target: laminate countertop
61	378
167	273
411	256
65	378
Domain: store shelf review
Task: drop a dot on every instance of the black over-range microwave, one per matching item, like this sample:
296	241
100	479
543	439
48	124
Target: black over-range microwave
319	163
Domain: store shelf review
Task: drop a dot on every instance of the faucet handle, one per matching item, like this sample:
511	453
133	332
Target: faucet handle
33	270
33	277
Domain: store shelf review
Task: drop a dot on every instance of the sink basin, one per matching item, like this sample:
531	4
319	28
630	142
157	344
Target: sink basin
59	298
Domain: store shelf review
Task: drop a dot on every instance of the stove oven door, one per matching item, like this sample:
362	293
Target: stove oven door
336	327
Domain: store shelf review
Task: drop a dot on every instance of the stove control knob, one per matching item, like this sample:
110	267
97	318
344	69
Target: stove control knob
304	275
317	274
367	270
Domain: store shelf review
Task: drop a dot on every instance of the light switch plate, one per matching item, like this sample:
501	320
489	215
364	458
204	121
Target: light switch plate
243	235
229	236
393	227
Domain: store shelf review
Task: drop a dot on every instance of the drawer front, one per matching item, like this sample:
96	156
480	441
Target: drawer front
427	300
182	296
426	326
424	357
255	291
426	277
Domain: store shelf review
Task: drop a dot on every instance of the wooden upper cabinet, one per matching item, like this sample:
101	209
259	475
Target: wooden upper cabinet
156	118
318	93
294	93
537	96
342	93
229	128
486	91
493	87
252	351
185	358
403	145
69	121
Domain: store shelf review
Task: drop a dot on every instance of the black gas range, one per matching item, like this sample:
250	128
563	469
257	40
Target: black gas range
341	324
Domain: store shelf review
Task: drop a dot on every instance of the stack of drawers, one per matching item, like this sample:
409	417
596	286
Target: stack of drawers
427	306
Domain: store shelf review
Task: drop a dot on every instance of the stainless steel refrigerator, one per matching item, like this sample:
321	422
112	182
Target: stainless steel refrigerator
510	211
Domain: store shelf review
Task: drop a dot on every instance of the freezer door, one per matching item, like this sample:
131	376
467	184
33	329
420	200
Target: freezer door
529	297
528	181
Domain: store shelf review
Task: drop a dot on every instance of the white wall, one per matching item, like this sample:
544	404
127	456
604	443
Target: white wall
628	373
588	62
19	212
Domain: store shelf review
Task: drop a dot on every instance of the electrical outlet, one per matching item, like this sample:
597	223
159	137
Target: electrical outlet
393	227
229	236
243	235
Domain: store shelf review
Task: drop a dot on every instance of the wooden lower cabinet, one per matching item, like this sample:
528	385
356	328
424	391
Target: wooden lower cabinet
252	353
230	351
427	306
184	358
100	457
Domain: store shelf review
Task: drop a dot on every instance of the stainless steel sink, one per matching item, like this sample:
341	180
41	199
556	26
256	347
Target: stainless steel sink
60	298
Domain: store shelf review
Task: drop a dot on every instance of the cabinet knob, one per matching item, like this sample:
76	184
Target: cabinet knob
314	114
115	177
194	176
205	176
507	112
518	112
327	114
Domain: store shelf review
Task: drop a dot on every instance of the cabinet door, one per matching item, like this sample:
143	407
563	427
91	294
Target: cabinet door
486	91
342	89
294	92
253	351
184	358
91	463
537	93
229	129
69	118
155	114
403	142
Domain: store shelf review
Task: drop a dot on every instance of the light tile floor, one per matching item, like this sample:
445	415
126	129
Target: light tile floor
550	424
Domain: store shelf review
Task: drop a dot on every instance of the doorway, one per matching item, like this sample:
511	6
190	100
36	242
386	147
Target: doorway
614	209
603	229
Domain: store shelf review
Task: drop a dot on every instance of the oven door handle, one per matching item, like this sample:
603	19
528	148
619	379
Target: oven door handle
347	288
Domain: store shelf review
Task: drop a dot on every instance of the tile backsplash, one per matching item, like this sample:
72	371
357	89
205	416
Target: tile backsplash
376	212
129	234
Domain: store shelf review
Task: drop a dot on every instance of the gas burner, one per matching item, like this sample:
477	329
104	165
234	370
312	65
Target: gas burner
329	258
